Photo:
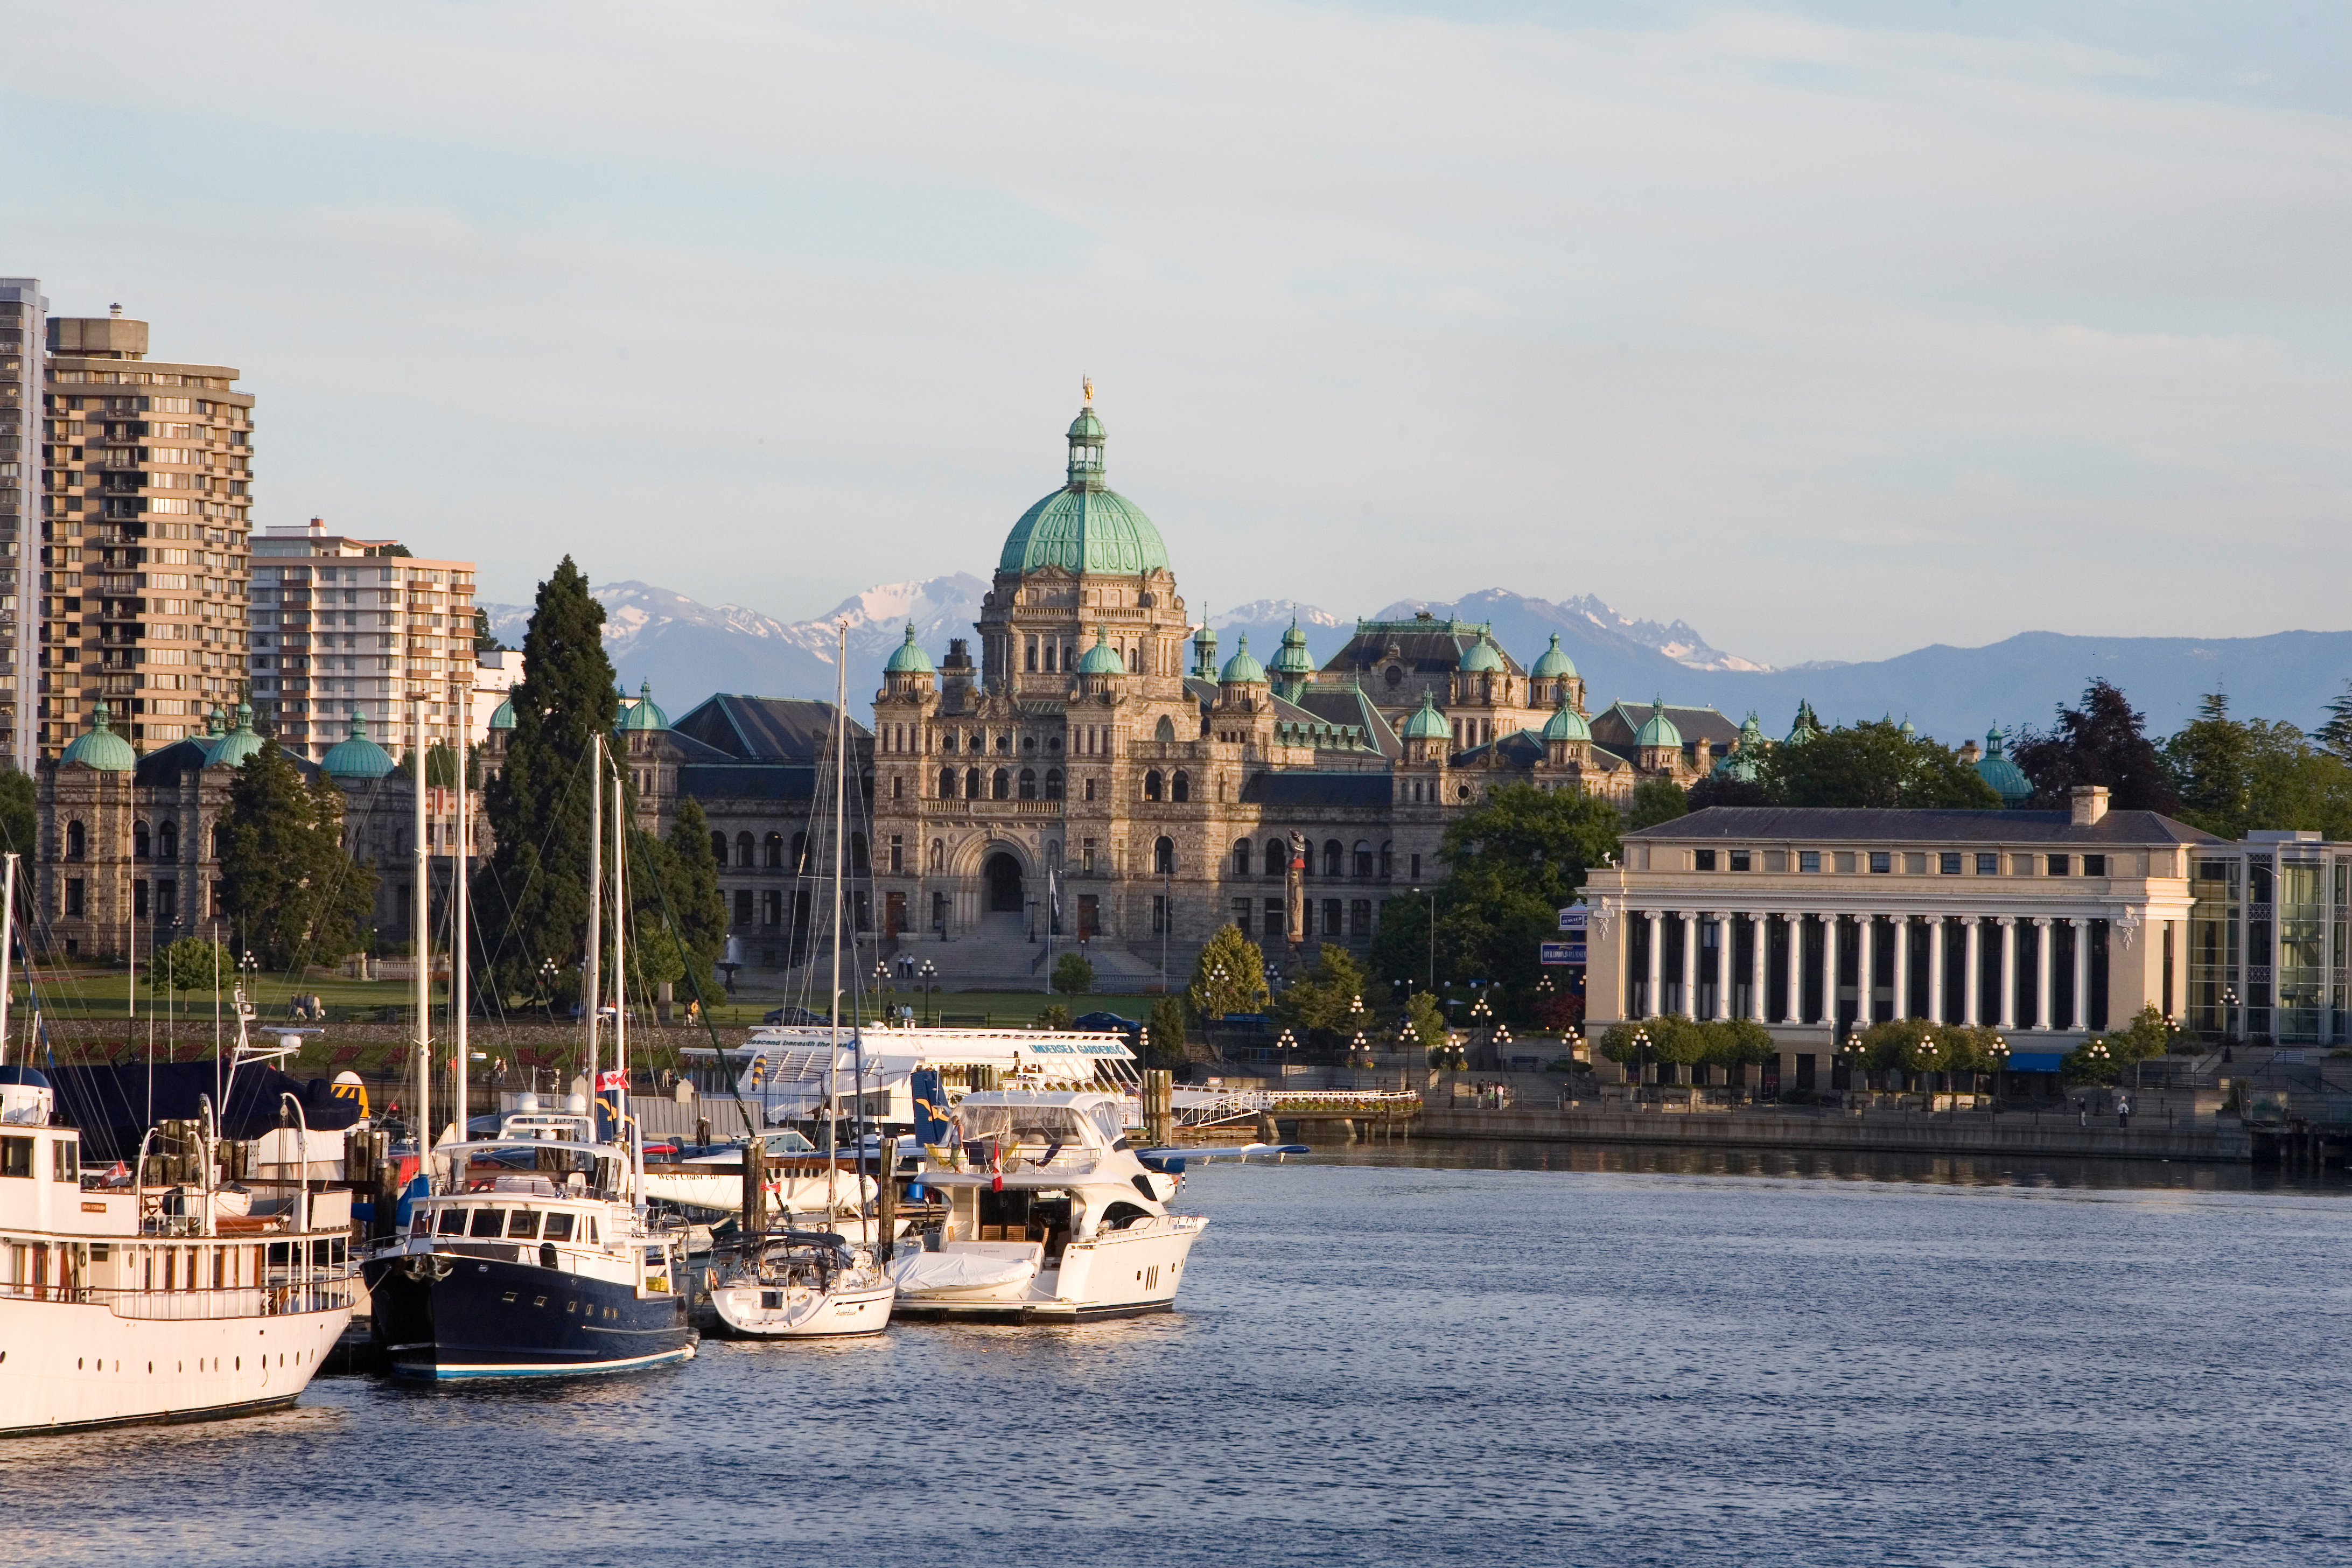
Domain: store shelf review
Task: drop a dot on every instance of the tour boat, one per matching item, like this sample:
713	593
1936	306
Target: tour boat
799	1285
129	1304
531	1258
1051	1217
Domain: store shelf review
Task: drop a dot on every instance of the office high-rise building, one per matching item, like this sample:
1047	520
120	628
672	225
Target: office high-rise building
345	627
144	559
23	453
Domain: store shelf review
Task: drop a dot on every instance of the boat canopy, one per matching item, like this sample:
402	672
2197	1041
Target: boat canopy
1071	1121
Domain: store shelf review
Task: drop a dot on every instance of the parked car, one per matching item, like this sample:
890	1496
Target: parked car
1130	1029
794	1016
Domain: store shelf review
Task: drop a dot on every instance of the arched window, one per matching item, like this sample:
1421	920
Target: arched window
939	854
1028	783
139	841
744	851
1277	858
77	841
1002	784
857	854
1331	853
1151	784
1053	783
775	851
971	783
717	848
799	854
167	841
1388	858
1167	729
947	783
1241	857
1090	789
1163	857
1363	857
1180	788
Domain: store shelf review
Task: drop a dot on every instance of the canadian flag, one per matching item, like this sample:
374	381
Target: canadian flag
611	1078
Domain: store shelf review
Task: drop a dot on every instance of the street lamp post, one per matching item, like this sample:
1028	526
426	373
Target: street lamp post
1431	894
928	975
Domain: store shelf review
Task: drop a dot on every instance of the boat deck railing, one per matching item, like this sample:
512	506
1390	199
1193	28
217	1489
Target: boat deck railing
285	1300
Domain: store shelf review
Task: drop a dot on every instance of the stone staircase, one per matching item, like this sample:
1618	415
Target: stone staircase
998	955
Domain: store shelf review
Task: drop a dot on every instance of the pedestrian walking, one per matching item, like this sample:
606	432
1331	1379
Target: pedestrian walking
2081	1111
2122	1110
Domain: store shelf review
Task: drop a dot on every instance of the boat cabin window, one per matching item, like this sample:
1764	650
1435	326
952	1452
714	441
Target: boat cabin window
592	1237
453	1222
523	1224
17	1157
69	1160
489	1222
559	1227
1016	1124
787	1143
1122	1215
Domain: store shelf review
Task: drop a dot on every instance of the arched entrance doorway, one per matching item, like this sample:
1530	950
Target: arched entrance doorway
1004	874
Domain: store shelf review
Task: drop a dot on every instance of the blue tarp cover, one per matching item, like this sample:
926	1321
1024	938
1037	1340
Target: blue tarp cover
2035	1061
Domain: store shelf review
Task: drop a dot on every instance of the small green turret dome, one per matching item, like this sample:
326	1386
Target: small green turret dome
1566	723
907	658
645	715
503	716
239	743
1428	724
1480	657
1806	727
1554	664
356	756
1102	658
1660	730
1292	662
214	727
100	747
2007	779
1241	669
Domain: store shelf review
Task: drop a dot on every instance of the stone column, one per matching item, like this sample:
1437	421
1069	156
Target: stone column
2007	926
1690	964
2041	1019
1759	927
1936	969
1650	992
1900	934
1865	971
1971	976
1796	924
1726	933
2082	1018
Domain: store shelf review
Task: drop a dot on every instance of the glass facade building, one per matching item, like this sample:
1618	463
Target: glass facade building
2267	936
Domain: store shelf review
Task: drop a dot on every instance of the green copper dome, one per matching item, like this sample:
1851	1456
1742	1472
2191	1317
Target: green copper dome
1428	724
907	658
239	743
1241	669
214	726
2007	780
1554	663
1740	761
503	716
1565	723
1292	662
1102	658
357	757
1481	658
1806	728
1084	526
645	714
1660	730
100	747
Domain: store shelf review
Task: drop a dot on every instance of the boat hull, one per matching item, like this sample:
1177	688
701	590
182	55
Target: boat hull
485	1318
756	1311
76	1365
1127	1273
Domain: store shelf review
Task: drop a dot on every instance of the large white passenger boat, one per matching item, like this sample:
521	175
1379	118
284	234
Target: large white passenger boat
1051	1217
121	1305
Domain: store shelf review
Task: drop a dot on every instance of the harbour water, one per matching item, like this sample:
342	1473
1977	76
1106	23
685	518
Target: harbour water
1474	1353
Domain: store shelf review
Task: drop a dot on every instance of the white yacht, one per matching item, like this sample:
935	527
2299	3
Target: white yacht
1050	1218
129	1304
800	1285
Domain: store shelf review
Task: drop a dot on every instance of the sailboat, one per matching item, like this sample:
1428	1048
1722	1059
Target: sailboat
531	1253
129	1304
792	1282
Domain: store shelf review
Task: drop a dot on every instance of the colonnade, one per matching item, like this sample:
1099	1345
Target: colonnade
2038	1012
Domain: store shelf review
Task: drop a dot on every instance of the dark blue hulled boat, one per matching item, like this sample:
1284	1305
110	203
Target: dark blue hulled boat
532	1258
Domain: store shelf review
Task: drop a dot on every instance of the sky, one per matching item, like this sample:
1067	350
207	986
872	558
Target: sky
1834	329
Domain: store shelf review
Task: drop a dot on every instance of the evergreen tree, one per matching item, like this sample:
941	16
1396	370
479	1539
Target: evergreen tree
292	892
1655	801
1228	977
19	818
533	899
1873	764
1166	1046
2209	760
2335	735
1321	1001
2234	775
2101	742
695	903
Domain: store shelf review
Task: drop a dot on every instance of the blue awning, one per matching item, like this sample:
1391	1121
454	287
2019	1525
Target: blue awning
2035	1061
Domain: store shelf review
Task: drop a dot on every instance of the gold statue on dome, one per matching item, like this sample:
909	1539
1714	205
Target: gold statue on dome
1088	383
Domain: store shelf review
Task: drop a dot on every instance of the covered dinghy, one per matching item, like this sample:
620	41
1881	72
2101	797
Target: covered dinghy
114	1105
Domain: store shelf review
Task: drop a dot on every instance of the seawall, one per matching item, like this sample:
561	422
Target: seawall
2220	1139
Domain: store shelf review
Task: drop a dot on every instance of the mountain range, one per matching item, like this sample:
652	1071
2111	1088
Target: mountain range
687	650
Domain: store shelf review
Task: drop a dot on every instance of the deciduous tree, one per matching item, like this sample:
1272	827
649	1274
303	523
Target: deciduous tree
2104	741
1873	764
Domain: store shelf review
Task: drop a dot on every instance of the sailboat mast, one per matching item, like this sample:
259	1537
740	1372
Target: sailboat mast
418	917
620	956
591	989
461	981
840	818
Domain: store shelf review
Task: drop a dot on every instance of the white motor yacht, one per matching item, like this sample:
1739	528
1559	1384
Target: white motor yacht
1051	1217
